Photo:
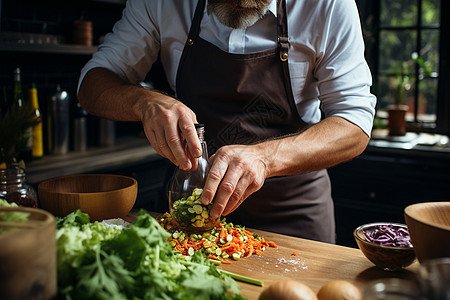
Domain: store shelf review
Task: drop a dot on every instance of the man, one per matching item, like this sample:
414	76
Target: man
281	86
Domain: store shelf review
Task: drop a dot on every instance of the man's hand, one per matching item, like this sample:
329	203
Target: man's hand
236	172
169	126
168	123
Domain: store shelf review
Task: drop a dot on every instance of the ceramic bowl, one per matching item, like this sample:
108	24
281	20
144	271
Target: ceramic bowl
389	258
101	196
429	227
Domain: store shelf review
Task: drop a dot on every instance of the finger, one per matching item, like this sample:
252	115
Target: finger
151	136
175	145
240	200
237	197
218	167
193	160
190	135
227	188
161	144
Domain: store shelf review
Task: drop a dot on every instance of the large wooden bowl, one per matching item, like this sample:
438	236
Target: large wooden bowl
429	227
101	196
28	255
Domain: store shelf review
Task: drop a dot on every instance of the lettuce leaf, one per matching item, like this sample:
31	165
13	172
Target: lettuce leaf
11	216
100	262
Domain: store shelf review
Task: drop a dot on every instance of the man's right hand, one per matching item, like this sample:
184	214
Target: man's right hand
169	126
167	122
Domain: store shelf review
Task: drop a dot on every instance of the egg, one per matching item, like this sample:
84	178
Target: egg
288	289
339	290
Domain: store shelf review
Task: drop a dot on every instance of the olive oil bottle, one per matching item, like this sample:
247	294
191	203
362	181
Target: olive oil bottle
37	136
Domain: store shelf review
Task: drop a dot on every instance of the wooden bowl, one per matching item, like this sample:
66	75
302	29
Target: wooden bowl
389	258
429	227
28	255
101	196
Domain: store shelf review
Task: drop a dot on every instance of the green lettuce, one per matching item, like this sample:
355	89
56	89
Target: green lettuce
11	216
100	262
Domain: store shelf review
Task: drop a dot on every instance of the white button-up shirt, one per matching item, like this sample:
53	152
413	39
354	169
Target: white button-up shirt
326	56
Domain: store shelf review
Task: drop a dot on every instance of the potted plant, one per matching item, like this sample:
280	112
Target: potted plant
397	111
14	122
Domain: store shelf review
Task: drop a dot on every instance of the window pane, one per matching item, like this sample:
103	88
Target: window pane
427	100
384	92
430	12
387	88
396	47
430	49
398	13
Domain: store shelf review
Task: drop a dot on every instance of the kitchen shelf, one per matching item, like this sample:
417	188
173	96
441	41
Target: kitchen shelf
48	48
131	156
128	150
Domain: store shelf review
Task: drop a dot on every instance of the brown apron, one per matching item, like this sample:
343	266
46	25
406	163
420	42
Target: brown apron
246	98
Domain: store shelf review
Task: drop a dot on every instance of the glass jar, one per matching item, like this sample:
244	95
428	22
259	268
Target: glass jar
185	190
13	187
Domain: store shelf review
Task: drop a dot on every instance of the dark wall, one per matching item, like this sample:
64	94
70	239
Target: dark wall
48	68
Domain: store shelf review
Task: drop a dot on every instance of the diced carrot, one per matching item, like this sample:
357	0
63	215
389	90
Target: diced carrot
250	252
223	234
272	244
224	261
242	241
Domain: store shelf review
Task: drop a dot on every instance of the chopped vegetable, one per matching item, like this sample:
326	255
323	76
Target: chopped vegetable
235	276
388	235
100	262
190	212
224	242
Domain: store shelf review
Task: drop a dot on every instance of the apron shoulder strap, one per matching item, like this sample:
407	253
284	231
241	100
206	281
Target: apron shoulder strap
282	30
195	26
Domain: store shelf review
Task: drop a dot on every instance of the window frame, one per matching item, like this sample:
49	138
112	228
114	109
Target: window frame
370	22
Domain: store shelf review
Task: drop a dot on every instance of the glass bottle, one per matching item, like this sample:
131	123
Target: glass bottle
25	143
13	187
37	138
17	91
185	191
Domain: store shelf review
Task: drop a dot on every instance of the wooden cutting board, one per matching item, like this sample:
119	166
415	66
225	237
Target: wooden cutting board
315	264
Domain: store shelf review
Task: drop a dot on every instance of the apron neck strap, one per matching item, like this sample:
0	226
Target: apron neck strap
282	27
282	30
195	26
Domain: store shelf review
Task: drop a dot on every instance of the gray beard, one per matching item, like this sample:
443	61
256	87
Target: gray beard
238	19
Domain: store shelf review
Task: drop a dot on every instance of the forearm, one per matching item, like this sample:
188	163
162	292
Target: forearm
328	143
167	122
104	94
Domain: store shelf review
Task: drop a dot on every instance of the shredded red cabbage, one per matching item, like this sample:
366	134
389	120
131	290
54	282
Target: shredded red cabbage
387	235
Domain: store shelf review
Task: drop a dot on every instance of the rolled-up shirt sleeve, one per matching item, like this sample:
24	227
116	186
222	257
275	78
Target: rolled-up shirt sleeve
343	76
131	48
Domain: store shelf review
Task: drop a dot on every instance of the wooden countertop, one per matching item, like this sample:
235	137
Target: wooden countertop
316	264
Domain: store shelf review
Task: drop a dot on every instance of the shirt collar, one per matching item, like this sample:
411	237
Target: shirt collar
273	7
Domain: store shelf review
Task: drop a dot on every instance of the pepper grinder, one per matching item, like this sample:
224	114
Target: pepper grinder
58	122
80	129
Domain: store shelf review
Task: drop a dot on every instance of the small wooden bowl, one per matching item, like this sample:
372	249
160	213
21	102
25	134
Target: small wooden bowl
429	227
101	196
388	258
28	255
